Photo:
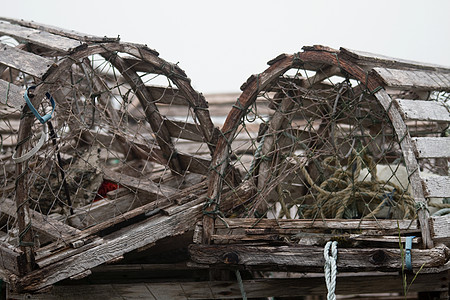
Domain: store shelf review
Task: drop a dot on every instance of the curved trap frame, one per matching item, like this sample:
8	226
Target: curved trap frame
125	142
331	145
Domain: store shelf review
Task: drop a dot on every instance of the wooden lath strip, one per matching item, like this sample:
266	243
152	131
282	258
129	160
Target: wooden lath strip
432	147
60	31
41	38
11	95
371	59
24	61
408	79
436	186
420	110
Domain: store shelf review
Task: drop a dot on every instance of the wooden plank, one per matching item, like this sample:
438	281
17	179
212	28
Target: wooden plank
427	80
371	59
346	284
166	95
437	186
41	223
11	259
346	224
432	147
24	61
139	184
41	38
139	65
11	95
184	130
419	110
305	258
123	241
60	31
441	229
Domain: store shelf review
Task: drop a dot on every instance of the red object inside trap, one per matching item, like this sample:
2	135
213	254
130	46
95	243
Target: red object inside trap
104	188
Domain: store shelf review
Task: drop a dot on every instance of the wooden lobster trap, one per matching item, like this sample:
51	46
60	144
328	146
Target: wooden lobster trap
333	145
105	148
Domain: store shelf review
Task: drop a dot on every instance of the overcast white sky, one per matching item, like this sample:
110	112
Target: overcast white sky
221	43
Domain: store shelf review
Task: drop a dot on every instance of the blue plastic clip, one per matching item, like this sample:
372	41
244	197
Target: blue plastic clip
42	119
408	246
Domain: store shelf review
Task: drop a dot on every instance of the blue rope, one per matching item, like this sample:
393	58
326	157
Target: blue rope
42	119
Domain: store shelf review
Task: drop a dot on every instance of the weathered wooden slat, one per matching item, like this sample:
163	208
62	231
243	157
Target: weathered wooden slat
24	61
139	184
300	224
11	258
437	186
138	65
432	147
165	95
38	37
419	110
126	240
441	229
304	258
346	284
427	80
371	59
41	223
60	31
9	126
184	130
11	94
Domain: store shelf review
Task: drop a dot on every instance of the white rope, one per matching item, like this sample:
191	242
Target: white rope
330	268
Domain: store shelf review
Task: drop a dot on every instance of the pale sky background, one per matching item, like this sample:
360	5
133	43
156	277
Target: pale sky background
221	43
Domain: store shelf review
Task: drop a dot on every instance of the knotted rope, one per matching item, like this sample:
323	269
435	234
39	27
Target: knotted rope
330	268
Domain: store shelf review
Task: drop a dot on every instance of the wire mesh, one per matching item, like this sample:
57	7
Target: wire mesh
324	149
122	135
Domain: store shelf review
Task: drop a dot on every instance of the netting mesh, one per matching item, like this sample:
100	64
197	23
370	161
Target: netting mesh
122	135
320	150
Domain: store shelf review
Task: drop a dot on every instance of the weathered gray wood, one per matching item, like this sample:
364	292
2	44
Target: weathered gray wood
371	59
138	65
24	61
139	184
411	163
441	229
420	79
304	258
41	223
41	38
346	284
11	259
11	94
437	186
126	240
299	224
165	95
432	147
184	130
60	31
419	110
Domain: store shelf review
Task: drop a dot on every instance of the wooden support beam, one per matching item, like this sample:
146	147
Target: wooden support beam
11	94
420	110
410	161
432	147
24	61
413	79
310	259
346	284
42	223
39	37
